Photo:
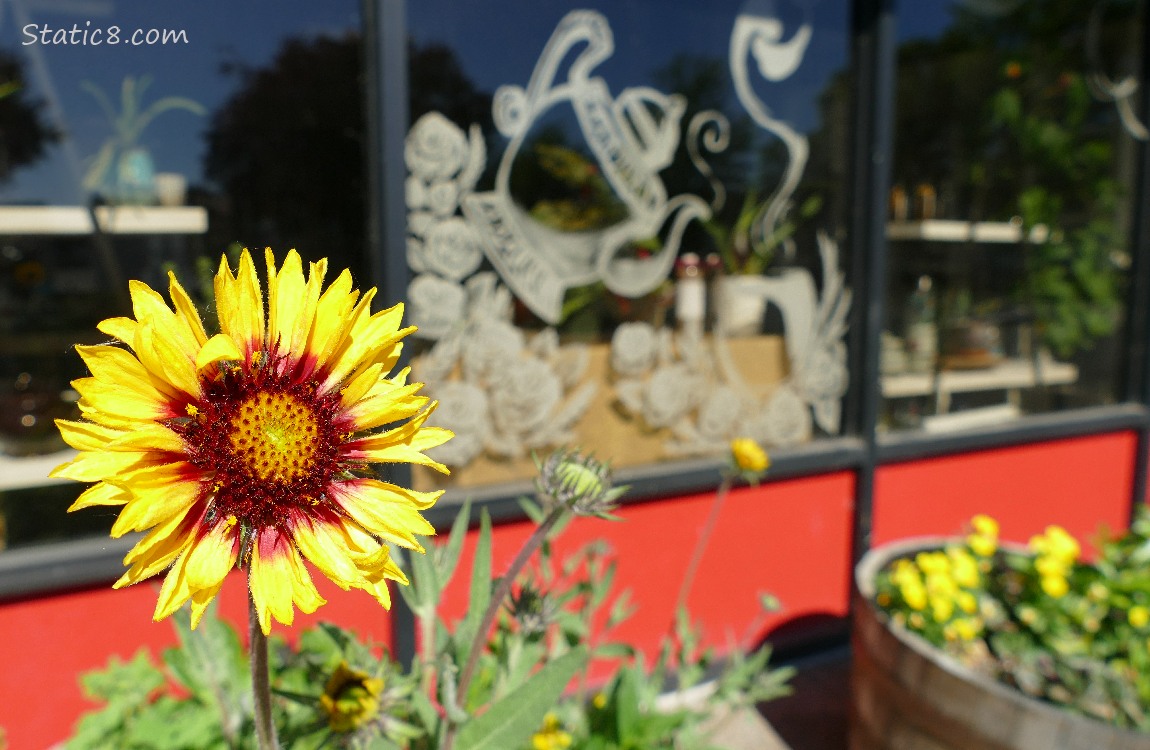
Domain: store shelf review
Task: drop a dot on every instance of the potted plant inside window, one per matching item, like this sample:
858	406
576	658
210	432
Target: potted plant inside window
122	170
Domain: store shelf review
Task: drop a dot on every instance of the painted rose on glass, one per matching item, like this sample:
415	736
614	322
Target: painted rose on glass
633	348
488	348
436	305
511	412
463	410
451	249
435	149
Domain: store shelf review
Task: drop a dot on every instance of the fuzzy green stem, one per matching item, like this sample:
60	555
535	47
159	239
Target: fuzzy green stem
261	683
700	547
501	592
426	648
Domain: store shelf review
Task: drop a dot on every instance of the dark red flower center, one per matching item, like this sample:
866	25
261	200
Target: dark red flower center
271	443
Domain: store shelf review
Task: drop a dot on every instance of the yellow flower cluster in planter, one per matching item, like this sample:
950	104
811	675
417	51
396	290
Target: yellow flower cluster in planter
1040	619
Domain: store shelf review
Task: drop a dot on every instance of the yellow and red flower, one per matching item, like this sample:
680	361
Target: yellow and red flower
253	446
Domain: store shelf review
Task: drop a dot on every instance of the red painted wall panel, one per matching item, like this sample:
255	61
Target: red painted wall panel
1078	483
789	538
47	643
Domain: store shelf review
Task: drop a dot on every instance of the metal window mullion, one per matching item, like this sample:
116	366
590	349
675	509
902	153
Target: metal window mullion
873	120
1137	333
386	93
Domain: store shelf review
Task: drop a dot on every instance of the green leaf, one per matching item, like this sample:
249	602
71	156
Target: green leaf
511	721
627	713
480	580
448	555
127	682
211	663
174	724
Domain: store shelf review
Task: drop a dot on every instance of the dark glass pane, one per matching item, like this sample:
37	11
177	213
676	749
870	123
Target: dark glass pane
137	138
615	222
1011	208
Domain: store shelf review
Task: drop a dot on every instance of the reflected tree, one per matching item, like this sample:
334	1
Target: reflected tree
24	135
288	151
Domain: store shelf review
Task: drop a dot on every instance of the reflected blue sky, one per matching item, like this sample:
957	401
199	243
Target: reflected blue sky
496	43
247	32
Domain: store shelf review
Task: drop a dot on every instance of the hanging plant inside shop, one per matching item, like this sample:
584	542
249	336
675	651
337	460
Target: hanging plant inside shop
1074	252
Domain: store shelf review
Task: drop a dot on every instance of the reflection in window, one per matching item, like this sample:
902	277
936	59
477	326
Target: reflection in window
619	233
1011	209
123	161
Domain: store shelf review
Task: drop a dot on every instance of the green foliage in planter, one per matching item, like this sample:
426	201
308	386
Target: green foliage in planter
1074	633
531	685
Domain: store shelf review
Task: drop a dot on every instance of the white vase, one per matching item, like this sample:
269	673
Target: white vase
171	188
739	305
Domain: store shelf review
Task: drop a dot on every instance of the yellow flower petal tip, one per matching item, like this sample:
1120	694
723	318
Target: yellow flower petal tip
250	445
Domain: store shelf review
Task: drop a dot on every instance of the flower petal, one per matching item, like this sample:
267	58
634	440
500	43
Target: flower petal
213	555
326	547
277	579
240	304
161	546
100	494
119	367
332	318
186	310
384	510
158	494
218	348
121	402
402	444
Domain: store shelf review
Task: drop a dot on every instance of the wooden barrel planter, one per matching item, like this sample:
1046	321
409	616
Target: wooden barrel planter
907	695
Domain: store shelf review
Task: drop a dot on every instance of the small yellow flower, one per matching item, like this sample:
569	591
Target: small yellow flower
983	540
967	602
1061	545
933	562
916	620
983	546
1049	565
599	701
984	525
551	736
749	456
967	629
941	584
1055	586
350	699
962	629
914	594
941	608
1138	616
905	570
964	568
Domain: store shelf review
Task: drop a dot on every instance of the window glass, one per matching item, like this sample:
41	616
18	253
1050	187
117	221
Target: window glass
625	224
1010	212
138	137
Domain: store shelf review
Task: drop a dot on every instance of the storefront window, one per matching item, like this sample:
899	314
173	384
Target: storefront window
141	137
1010	211
625	226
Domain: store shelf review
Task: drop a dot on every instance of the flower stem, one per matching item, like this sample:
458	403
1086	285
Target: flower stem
479	640
261	684
700	548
